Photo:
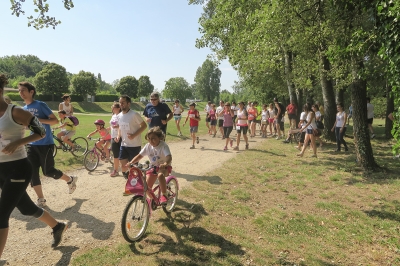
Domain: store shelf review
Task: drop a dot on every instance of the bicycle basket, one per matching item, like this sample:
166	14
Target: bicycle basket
134	184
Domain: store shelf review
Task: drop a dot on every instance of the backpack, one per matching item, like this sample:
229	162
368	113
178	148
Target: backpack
74	120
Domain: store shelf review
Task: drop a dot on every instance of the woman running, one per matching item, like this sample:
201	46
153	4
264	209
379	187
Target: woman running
315	108
177	109
227	113
310	126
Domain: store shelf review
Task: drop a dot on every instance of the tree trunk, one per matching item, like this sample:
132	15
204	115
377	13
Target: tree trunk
289	76
328	95
389	109
300	94
340	97
362	141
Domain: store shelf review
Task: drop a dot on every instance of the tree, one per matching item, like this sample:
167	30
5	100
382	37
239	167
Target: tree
177	88
207	80
84	83
52	80
21	65
42	20
145	86
128	85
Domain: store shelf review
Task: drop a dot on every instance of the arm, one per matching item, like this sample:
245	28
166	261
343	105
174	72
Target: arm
308	123
186	119
169	117
344	123
142	127
135	159
51	120
92	133
60	107
168	160
25	118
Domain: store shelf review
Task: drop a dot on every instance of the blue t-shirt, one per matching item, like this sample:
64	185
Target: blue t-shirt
157	113
41	110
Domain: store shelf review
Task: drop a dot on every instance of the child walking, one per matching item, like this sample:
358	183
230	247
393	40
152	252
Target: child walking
194	116
160	156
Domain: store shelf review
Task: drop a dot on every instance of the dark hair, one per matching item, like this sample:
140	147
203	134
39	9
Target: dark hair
126	97
233	102
29	86
3	81
157	131
177	101
368	99
62	112
276	100
65	96
306	107
316	106
340	104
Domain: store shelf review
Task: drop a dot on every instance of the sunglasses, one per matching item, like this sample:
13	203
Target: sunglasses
154	99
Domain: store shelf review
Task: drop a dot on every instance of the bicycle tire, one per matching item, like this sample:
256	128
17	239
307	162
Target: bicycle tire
91	161
54	150
135	219
172	190
81	147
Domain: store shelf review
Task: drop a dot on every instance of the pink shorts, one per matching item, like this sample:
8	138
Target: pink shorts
271	120
150	172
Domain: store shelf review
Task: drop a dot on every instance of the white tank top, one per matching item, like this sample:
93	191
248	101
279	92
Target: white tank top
313	125
67	109
340	119
11	131
240	121
177	110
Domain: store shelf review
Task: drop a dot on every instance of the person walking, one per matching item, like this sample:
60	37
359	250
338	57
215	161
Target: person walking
131	126
227	113
310	127
177	109
66	105
194	116
219	109
292	113
370	116
157	113
16	170
207	109
241	126
115	145
340	127
40	152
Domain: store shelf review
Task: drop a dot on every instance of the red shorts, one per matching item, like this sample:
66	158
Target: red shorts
150	172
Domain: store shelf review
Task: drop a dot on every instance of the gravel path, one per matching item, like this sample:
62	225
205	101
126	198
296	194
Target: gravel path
94	210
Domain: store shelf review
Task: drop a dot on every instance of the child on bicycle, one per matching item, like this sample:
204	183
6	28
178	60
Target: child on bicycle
104	142
160	156
68	128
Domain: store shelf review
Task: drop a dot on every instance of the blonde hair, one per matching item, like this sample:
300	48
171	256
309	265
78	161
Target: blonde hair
157	131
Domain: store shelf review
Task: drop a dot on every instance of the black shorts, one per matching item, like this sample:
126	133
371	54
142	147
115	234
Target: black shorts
227	131
115	147
220	123
369	121
292	116
213	122
302	137
127	153
242	129
208	119
257	121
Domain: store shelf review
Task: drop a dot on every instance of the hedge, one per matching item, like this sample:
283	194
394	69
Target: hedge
14	96
106	97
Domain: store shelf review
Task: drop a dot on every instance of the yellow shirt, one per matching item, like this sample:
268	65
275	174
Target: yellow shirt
321	110
69	124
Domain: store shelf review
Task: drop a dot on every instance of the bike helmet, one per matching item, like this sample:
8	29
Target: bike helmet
99	122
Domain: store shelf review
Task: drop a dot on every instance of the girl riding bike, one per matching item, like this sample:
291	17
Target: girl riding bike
105	139
160	157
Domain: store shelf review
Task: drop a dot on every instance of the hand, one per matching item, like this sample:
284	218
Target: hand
164	122
148	119
130	135
128	164
341	129
116	139
333	129
10	148
184	124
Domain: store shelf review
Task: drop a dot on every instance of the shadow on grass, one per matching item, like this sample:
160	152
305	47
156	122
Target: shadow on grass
193	244
216	180
390	212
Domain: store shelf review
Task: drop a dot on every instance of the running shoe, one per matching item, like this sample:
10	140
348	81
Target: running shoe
197	140
58	234
226	148
247	146
41	203
72	184
236	148
192	147
163	200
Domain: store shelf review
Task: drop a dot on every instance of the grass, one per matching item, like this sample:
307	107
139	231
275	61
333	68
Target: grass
272	208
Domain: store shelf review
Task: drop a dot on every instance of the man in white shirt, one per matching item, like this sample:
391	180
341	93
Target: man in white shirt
219	109
370	116
131	126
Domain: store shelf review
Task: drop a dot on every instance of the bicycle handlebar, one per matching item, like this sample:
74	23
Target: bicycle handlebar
144	167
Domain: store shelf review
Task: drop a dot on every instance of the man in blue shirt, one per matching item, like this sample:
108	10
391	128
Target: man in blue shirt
157	114
40	153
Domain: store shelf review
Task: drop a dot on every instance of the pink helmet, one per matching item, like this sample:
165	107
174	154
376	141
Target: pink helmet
99	122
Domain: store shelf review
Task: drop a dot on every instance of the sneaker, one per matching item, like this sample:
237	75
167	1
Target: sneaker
72	184
247	146
114	173
180	134
57	235
197	140
192	147
226	148
41	203
163	200
286	141
236	148
231	143
372	136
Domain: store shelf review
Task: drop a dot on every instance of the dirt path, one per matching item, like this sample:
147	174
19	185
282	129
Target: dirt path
94	210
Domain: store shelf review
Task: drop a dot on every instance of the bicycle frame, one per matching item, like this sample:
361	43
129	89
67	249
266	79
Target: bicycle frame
137	185
97	150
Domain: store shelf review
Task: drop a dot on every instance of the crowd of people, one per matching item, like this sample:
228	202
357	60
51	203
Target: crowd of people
123	137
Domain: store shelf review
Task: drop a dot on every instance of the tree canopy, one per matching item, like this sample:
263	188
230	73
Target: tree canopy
52	80
145	87
207	80
177	88
128	85
84	83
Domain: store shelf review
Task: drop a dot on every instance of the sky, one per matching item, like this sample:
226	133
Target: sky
116	39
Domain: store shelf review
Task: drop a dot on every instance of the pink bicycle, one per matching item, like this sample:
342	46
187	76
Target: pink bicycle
137	212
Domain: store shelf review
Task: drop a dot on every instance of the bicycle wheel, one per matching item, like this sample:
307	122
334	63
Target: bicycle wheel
135	219
81	146
91	161
55	150
172	190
